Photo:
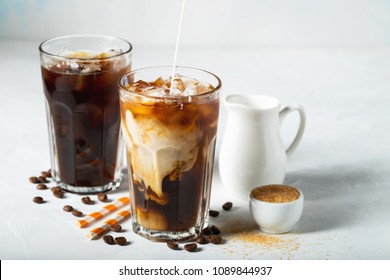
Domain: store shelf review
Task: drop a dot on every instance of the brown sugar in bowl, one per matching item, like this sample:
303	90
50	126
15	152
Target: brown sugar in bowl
275	193
276	208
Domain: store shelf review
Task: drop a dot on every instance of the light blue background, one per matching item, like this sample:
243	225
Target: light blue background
206	22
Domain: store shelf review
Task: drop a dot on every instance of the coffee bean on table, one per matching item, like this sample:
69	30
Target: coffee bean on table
190	247
206	230
41	187
77	213
57	188
120	240
45	174
215	230
116	228
201	239
38	200
109	239
173	245
68	208
215	239
227	206
34	180
58	193
213	213
87	200
102	197
43	179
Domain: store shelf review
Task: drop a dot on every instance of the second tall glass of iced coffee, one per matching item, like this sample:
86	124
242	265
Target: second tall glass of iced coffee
80	74
170	135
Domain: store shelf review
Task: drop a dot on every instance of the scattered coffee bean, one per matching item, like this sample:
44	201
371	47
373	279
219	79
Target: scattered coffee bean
201	239
41	186
102	197
58	193
206	230
190	247
45	174
215	230
215	239
120	240
38	200
116	228
49	175
213	213
173	245
109	239
77	213
55	189
43	179
68	208
227	206
34	180
87	200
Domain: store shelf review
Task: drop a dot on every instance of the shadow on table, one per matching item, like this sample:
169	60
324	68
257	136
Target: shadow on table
330	196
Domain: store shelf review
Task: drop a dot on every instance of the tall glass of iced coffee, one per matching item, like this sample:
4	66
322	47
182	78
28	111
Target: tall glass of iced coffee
170	135
80	80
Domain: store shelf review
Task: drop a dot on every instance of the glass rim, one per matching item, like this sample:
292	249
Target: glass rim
42	51
174	96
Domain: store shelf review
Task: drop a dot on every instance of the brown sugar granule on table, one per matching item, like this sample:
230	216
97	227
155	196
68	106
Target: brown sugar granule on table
254	241
259	238
245	238
250	234
275	193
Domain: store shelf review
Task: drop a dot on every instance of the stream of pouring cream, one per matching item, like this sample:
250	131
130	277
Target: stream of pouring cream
177	46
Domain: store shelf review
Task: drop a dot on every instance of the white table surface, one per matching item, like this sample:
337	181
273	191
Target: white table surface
342	164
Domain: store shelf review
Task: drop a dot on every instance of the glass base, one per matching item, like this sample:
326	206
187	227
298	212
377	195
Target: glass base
164	236
90	189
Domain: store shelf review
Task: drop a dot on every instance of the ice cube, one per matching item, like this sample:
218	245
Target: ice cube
73	65
179	84
182	85
108	53
159	82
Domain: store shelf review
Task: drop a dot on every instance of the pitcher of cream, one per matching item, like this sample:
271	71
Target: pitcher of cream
252	153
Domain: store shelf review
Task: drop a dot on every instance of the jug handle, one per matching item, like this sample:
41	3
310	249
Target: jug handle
302	123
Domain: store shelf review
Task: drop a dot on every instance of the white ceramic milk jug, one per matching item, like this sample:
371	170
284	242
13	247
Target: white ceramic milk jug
252	153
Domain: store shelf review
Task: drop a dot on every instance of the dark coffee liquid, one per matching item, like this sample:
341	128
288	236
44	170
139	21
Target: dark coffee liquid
84	111
185	199
184	193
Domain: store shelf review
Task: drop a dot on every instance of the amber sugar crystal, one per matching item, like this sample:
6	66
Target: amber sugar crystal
275	193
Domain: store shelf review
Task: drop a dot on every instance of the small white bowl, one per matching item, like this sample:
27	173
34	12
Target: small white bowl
276	217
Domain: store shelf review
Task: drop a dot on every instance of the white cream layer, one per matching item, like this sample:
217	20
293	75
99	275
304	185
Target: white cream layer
157	150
